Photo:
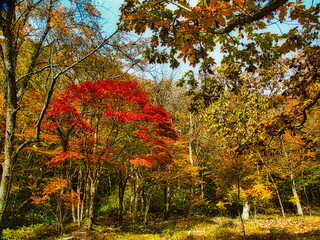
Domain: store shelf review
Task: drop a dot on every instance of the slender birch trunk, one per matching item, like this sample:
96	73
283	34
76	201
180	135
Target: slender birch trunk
167	200
295	194
246	210
134	201
192	188
274	185
147	207
278	195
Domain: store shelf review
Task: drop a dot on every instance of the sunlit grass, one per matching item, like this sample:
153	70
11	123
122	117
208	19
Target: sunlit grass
199	228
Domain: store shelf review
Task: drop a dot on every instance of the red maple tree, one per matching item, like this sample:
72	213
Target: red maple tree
82	106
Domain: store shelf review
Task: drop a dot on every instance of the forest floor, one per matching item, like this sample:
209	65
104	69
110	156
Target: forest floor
204	228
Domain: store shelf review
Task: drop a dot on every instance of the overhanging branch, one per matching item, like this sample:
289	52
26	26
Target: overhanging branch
243	19
307	107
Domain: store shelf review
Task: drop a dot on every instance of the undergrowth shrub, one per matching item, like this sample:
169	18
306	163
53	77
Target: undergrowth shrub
32	232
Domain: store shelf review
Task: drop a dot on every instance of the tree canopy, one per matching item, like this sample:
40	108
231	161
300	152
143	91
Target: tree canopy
84	141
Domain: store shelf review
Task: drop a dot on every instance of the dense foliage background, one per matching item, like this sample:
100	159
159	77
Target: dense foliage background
86	138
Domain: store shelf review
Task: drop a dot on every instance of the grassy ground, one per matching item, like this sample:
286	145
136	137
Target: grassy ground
203	228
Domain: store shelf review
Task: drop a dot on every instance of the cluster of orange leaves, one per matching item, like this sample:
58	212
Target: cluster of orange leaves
54	189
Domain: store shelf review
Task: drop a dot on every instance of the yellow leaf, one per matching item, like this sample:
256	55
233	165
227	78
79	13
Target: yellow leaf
261	25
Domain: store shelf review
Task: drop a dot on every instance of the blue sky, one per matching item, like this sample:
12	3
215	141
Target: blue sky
110	13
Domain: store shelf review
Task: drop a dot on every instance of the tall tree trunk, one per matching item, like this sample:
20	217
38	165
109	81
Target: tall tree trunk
307	198
136	185
134	201
202	185
121	191
93	185
278	195
274	185
7	165
295	194
93	188
86	196
190	207
73	208
296	197
238	208
147	207
10	93
59	218
79	200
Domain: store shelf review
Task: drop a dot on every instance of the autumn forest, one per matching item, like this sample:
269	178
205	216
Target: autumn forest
192	119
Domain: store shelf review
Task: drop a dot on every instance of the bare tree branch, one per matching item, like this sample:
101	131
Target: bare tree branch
33	73
55	78
36	52
50	92
127	56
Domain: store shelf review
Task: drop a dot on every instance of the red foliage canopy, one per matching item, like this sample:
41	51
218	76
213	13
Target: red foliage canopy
122	101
